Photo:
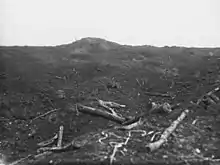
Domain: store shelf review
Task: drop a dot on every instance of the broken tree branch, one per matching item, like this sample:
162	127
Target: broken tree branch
155	145
130	126
208	94
71	145
105	105
48	142
60	137
95	111
20	160
138	82
111	104
166	107
118	145
42	115
215	98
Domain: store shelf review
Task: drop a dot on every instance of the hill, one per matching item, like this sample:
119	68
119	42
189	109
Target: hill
91	45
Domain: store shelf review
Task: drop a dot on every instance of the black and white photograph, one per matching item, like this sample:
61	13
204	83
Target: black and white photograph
115	82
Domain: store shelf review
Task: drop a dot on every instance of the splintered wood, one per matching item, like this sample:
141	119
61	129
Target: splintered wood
155	145
59	147
95	111
118	145
60	137
210	96
48	142
105	105
130	126
111	104
126	124
51	111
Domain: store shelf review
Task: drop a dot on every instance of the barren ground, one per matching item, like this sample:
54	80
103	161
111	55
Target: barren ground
35	80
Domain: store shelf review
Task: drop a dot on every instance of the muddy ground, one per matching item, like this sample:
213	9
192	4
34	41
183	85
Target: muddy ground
35	80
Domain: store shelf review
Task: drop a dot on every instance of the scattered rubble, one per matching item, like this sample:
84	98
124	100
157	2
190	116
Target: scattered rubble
128	118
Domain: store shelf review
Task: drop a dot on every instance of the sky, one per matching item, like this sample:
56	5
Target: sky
133	22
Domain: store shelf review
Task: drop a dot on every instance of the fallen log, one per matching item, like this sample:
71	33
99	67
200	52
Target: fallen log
155	145
98	112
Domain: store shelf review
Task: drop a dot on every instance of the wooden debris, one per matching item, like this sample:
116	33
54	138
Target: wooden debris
42	115
159	94
58	77
48	142
154	135
60	137
209	94
54	149
165	107
66	147
138	82
215	98
194	121
213	91
118	145
105	105
111	104
104	134
20	160
130	126
95	111
59	147
39	157
110	109
155	145
210	100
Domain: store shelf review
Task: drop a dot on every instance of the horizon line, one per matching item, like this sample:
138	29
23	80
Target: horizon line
121	44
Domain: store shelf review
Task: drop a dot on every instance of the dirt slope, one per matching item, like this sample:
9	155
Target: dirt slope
35	80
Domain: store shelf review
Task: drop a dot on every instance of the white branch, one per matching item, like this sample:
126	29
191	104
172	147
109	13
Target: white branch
60	137
155	145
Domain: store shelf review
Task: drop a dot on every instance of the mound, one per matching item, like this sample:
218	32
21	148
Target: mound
90	45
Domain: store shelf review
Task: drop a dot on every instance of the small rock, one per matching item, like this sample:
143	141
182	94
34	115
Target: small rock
180	146
51	162
198	151
165	156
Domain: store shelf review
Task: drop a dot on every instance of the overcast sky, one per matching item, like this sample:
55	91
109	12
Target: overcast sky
134	22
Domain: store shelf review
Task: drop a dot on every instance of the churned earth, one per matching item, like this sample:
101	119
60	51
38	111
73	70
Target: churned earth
37	80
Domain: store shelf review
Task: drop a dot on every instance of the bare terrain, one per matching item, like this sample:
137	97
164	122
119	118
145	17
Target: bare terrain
52	104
